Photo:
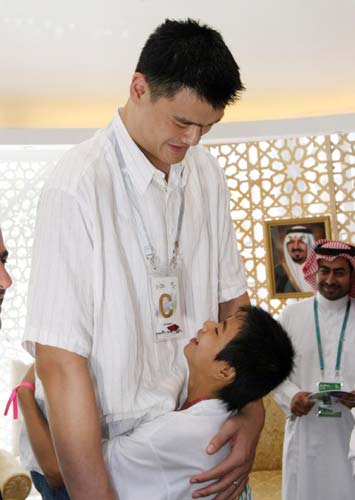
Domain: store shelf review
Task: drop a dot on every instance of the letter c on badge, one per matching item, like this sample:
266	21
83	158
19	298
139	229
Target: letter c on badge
165	305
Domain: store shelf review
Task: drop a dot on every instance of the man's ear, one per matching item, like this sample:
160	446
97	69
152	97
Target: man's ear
138	88
226	373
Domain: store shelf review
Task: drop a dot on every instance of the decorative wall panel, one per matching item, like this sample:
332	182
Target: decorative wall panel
286	178
268	180
23	171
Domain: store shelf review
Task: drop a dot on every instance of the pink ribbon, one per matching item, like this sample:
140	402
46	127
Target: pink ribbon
13	398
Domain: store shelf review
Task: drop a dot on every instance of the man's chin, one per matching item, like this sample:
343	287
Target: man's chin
298	260
332	294
177	153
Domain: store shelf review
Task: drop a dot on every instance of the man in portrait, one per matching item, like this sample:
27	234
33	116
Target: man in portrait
288	274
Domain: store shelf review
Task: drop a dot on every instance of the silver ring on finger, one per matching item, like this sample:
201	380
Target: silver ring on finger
236	483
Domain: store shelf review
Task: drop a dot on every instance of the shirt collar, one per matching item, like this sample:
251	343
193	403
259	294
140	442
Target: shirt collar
140	169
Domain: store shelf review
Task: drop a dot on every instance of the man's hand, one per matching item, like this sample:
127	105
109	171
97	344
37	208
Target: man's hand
242	431
300	404
348	402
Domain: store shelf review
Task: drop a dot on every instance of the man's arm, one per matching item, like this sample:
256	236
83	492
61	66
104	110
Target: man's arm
38	433
74	422
243	432
230	307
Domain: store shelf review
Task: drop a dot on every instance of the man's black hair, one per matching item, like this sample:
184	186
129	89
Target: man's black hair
262	355
187	54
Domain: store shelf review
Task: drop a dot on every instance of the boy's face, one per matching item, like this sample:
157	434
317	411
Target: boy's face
202	350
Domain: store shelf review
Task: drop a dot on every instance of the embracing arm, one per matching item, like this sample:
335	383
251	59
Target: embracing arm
74	422
38	433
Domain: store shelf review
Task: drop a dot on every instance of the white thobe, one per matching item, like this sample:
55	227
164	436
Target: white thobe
159	458
315	463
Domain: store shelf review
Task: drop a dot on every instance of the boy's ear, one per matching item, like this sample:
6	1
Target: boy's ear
226	373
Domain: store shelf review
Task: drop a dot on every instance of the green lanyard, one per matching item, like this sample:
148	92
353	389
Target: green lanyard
341	338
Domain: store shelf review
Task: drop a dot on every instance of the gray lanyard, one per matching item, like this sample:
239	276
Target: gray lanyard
341	338
143	236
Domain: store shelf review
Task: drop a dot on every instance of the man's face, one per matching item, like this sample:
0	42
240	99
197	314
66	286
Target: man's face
169	126
334	278
297	249
5	280
202	350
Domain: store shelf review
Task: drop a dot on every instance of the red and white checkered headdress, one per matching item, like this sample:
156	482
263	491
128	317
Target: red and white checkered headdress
328	250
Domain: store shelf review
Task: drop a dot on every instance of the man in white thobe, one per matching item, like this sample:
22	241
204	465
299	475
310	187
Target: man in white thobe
315	463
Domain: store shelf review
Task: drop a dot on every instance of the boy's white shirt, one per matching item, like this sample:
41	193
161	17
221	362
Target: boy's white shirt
158	459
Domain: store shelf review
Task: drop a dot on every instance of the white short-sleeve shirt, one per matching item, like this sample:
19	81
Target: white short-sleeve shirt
160	457
89	287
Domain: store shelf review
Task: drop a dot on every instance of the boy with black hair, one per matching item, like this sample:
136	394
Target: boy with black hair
230	364
261	354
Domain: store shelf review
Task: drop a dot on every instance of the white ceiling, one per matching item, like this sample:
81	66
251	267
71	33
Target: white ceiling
68	63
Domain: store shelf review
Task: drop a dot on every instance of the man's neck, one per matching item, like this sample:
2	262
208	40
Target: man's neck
336	303
130	122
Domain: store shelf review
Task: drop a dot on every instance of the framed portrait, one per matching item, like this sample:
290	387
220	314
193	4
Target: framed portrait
288	243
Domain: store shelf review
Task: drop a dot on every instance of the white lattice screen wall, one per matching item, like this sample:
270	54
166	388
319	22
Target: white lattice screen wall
273	179
287	178
23	171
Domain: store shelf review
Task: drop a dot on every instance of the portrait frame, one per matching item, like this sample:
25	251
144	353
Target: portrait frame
281	283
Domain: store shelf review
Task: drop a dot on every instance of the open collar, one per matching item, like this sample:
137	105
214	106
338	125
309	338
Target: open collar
140	169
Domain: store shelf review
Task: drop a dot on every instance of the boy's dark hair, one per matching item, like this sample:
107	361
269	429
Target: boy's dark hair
187	54
262	355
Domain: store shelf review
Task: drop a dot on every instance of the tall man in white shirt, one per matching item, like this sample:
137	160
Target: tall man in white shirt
134	245
316	445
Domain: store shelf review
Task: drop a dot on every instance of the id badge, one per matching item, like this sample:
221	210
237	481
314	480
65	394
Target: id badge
166	303
330	386
327	409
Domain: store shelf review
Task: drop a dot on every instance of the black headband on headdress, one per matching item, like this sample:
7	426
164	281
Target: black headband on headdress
334	251
299	229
